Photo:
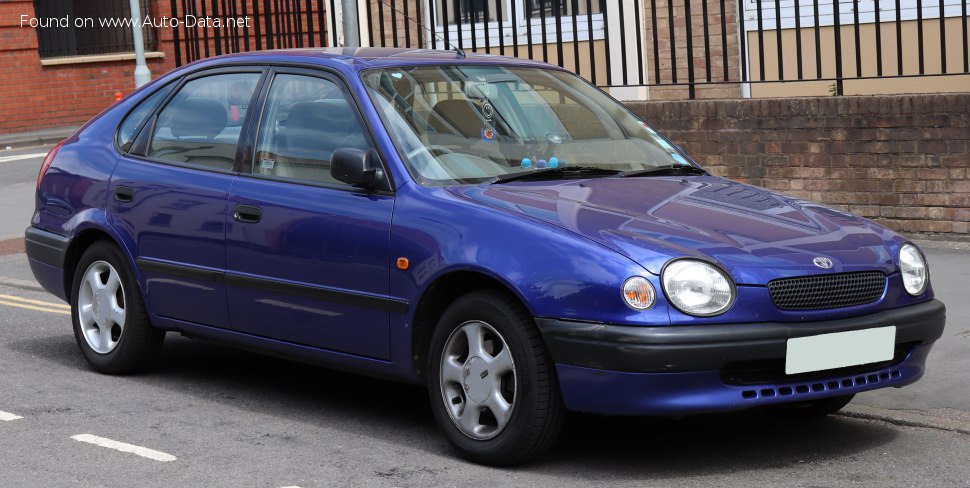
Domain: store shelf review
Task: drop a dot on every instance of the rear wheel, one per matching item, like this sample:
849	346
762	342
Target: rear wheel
492	385
111	325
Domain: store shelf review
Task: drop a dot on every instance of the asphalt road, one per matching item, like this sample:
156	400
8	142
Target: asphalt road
234	418
18	176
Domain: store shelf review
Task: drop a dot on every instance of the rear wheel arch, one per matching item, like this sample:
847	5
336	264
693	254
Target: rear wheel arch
75	250
437	297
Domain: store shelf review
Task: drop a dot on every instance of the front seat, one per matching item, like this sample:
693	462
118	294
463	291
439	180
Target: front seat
451	115
312	132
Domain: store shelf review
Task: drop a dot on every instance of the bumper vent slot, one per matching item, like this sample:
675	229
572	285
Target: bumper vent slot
848	383
827	291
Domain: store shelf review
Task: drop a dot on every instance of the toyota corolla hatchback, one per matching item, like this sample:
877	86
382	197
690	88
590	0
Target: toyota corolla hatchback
495	229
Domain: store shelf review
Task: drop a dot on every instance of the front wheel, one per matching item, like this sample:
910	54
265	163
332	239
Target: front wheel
492	385
111	325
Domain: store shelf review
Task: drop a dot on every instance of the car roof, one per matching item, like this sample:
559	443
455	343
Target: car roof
373	57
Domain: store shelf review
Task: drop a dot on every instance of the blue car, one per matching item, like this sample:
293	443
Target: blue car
497	230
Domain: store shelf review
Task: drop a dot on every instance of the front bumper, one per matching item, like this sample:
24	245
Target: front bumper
675	370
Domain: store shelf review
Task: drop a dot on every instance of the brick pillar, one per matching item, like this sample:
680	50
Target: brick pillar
672	47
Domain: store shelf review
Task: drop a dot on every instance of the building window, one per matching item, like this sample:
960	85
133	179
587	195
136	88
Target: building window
103	28
535	9
481	22
469	11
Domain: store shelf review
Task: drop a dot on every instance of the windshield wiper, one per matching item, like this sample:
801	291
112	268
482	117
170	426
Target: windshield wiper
552	173
665	170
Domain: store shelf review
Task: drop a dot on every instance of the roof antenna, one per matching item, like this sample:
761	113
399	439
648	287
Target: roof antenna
458	50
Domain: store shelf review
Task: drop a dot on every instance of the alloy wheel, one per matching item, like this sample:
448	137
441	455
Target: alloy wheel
478	380
101	307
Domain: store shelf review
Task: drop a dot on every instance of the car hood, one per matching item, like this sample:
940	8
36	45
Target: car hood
755	235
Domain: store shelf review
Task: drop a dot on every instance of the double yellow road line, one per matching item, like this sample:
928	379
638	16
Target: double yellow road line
38	305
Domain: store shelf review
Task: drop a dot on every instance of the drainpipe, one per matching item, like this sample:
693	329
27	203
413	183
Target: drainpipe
350	23
142	74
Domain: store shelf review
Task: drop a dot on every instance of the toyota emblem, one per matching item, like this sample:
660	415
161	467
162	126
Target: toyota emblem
824	263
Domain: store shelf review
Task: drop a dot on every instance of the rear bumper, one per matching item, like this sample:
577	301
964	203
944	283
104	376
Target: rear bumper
46	253
674	370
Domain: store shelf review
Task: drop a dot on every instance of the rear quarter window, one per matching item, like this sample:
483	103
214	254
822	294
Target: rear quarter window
137	117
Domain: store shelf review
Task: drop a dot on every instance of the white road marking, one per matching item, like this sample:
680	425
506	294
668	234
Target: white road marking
129	448
7	417
18	157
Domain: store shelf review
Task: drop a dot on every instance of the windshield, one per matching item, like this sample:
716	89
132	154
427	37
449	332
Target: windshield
467	124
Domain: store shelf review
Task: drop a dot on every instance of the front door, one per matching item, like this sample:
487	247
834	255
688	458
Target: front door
307	256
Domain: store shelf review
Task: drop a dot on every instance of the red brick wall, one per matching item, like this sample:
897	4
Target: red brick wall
39	97
903	160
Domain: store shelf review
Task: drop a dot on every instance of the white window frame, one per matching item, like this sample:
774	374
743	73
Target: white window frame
495	29
867	12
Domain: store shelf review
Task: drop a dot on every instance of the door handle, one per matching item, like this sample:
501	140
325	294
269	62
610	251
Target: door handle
124	194
247	214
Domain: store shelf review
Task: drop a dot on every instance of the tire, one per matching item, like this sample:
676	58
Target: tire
466	404
111	324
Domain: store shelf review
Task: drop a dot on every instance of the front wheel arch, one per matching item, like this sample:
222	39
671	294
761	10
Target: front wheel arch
436	298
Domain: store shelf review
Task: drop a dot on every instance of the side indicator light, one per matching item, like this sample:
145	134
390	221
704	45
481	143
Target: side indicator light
403	263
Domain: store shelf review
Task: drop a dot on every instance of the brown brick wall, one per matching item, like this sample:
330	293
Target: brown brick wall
903	161
398	30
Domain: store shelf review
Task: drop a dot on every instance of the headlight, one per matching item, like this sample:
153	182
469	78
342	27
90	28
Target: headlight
638	293
697	288
912	265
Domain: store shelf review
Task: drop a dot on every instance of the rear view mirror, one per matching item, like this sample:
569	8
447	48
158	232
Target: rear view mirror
358	167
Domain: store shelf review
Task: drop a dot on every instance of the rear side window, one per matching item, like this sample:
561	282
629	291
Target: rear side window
136	118
202	123
305	120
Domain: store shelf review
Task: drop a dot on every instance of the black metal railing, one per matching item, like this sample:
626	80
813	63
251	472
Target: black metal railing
841	40
84	28
268	24
684	44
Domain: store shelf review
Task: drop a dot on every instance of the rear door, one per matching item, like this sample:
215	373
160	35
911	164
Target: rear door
307	256
170	193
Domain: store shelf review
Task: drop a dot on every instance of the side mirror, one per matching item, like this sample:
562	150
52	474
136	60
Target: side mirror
357	167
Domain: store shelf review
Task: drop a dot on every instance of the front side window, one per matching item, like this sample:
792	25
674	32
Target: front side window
202	123
472	124
305	120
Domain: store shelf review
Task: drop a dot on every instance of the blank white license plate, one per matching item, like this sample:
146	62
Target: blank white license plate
840	349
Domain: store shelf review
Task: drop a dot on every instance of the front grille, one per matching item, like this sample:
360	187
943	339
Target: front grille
827	291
